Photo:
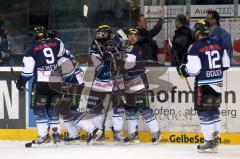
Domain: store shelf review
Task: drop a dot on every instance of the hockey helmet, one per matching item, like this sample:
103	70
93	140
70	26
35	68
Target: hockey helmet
104	28
103	33
133	35
202	27
133	31
39	32
54	34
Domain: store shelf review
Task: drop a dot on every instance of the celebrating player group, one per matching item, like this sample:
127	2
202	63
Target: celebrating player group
121	75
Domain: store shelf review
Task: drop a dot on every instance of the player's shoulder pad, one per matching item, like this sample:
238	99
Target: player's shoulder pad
30	51
193	48
56	40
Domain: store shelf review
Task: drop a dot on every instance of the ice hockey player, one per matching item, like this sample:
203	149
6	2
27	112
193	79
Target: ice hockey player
136	86
69	102
71	91
40	59
133	70
207	59
102	85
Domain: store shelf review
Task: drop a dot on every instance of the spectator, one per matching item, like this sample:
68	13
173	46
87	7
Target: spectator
218	33
182	39
147	44
4	50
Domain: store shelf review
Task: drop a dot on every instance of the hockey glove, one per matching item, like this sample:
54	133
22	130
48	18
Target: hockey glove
182	71
178	71
106	58
20	84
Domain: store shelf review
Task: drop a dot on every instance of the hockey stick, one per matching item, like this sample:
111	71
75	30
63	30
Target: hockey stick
178	61
118	91
29	144
124	37
22	87
85	14
108	106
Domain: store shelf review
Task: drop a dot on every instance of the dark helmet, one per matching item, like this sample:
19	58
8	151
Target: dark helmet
106	33
1	21
133	31
54	34
39	32
202	27
104	28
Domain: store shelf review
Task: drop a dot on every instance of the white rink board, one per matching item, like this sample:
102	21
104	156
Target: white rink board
172	110
174	116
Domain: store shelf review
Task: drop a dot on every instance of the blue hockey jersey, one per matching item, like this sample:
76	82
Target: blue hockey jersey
207	59
42	59
135	72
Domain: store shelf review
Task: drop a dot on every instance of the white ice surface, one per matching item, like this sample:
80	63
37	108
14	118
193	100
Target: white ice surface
16	150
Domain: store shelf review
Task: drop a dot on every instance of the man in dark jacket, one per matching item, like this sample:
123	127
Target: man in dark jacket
4	43
148	46
182	39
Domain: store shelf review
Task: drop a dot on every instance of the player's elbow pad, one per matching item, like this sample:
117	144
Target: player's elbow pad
130	61
96	59
193	66
26	76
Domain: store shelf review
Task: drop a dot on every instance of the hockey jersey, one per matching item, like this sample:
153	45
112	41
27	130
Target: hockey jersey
135	72
70	70
43	58
103	81
207	59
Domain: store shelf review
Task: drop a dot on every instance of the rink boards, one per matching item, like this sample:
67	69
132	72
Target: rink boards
169	97
168	137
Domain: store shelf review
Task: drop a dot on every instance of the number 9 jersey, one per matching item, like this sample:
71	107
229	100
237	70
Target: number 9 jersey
207	59
42	58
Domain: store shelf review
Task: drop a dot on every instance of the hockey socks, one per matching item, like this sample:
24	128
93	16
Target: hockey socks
98	120
72	129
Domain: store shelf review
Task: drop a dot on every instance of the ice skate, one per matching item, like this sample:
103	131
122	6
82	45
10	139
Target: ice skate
101	138
208	147
118	137
94	136
56	136
156	137
72	140
132	138
216	137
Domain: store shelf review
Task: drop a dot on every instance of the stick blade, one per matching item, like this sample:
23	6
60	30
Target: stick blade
122	34
170	43
11	69
85	10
